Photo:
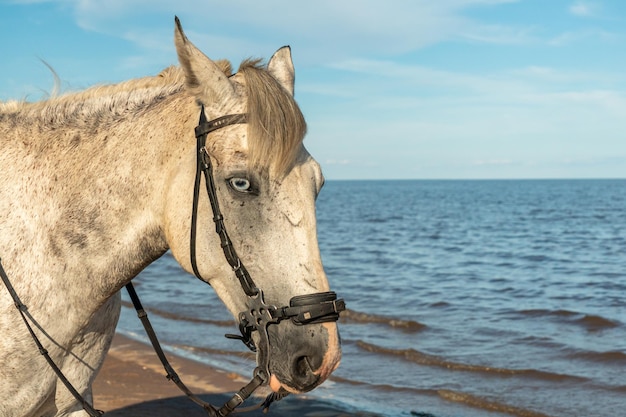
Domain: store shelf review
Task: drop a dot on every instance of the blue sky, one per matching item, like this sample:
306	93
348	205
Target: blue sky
391	89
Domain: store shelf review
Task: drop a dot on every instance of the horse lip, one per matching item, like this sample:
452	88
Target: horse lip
275	384
279	387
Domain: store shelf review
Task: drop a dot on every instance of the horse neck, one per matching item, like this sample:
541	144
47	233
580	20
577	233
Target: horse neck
93	199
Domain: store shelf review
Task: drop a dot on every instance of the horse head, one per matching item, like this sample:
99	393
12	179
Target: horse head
266	184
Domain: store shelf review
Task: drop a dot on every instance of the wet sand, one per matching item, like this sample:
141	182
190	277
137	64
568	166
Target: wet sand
132	383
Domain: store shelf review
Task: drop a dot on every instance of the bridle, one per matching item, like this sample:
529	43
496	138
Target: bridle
302	310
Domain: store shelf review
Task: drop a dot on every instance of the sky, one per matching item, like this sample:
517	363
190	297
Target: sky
391	89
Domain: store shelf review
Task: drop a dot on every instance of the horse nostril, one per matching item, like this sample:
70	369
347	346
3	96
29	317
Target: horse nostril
303	374
302	366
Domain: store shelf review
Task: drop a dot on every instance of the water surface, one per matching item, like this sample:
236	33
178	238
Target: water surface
466	298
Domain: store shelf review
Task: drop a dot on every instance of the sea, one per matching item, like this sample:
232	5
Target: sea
472	298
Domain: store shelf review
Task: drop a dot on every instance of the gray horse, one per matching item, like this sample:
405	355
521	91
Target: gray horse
96	185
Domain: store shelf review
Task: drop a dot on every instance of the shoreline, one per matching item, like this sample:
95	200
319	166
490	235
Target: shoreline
133	383
132	374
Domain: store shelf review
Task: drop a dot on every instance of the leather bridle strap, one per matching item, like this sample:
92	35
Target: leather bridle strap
210	409
22	309
311	308
171	373
204	166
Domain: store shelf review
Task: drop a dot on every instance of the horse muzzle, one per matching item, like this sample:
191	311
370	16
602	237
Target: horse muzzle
297	346
302	357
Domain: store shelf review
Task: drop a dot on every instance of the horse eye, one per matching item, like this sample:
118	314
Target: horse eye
240	184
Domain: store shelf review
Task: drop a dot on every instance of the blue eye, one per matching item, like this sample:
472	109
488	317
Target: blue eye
241	185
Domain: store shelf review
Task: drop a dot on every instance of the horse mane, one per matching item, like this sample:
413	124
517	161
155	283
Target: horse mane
276	126
102	103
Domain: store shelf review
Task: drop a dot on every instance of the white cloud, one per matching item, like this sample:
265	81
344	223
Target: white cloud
501	120
26	2
324	28
372	97
493	162
571	37
582	8
500	34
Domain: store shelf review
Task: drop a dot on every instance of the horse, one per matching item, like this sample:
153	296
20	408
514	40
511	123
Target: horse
95	185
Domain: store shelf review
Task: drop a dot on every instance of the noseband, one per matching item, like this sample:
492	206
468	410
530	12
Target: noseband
304	309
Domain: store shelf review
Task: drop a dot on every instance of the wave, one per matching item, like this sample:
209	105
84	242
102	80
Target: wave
589	321
382	387
537	258
386	219
611	275
420	358
172	316
594	323
365	318
485	404
621	389
614	357
213	351
449	395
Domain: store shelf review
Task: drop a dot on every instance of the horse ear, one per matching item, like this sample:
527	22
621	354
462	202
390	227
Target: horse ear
281	68
203	77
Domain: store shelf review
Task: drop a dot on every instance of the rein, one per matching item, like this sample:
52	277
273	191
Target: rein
23	313
304	309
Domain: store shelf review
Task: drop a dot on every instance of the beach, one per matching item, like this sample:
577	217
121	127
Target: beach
132	383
